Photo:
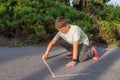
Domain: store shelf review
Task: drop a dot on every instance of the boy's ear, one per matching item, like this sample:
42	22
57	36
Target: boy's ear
67	25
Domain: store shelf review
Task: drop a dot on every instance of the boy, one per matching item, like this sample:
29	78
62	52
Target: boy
72	38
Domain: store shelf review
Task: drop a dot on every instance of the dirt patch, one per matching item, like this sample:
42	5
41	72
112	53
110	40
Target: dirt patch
11	42
104	45
18	43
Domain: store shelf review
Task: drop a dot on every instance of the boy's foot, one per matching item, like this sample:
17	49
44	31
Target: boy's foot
70	55
96	55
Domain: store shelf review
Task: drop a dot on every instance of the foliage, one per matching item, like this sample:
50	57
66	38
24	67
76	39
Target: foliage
106	32
111	18
20	18
32	20
110	13
89	6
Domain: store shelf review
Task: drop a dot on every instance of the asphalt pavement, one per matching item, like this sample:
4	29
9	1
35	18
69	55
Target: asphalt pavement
25	63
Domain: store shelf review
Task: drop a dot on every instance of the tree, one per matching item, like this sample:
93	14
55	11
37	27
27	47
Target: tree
90	6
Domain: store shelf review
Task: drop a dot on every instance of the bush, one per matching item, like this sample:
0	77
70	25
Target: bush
33	19
106	32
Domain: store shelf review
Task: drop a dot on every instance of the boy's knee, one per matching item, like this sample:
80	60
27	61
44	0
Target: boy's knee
84	57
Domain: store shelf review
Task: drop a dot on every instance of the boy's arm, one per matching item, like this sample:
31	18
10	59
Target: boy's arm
75	54
75	49
50	45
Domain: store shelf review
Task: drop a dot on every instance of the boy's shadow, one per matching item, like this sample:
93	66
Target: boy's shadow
100	51
56	55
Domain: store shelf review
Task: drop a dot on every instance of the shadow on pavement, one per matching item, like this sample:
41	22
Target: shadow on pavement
56	63
98	69
44	74
107	58
57	55
9	54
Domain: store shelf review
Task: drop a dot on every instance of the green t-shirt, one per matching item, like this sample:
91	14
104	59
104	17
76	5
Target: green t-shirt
75	33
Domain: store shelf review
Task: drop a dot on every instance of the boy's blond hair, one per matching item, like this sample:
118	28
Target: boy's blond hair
60	22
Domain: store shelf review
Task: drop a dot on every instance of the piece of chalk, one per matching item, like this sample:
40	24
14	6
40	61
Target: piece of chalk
50	70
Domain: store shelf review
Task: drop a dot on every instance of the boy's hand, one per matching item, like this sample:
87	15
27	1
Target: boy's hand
45	56
71	64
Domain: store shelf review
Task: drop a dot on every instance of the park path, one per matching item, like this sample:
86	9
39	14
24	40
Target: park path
25	63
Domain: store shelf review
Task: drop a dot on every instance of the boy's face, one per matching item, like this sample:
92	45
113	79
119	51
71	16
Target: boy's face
64	30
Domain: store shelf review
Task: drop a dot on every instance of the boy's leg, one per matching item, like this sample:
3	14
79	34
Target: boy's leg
85	53
65	44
